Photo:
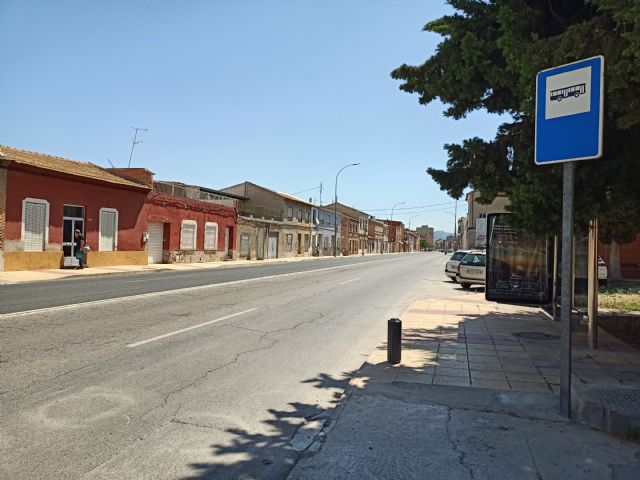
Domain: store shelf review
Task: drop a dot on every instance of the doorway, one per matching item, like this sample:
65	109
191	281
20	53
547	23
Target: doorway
272	250
72	220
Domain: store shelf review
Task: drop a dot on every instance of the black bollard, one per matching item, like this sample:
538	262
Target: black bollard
394	341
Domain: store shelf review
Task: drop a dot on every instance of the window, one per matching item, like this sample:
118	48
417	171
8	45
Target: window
306	216
35	224
108	230
188	235
290	213
289	242
299	215
73	211
210	236
483	215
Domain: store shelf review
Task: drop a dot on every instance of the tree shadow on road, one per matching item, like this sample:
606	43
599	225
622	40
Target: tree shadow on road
270	454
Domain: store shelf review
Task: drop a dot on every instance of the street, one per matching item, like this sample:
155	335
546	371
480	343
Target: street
193	377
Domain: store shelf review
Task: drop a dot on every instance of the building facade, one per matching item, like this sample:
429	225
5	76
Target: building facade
378	236
362	229
324	231
475	232
271	224
45	198
426	232
396	235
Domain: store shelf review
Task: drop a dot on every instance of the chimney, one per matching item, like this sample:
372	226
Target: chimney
138	175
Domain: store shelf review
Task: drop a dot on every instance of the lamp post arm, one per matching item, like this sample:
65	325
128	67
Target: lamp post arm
335	210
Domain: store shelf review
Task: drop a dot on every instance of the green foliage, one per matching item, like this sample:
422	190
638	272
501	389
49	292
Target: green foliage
488	59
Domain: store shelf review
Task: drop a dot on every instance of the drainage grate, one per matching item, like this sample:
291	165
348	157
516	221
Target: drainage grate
536	336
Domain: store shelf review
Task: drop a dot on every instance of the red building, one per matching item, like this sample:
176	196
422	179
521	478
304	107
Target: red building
396	235
43	199
184	230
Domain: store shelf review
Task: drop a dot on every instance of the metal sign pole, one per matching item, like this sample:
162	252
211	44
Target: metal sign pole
554	296
593	284
566	288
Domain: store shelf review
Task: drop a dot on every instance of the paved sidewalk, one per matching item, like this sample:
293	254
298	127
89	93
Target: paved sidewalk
475	397
54	274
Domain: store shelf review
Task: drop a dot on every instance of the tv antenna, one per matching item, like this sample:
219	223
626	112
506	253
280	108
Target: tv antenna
136	141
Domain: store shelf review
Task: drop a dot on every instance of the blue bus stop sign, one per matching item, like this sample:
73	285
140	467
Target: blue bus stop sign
569	108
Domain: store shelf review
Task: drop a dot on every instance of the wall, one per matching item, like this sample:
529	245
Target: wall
629	257
172	210
3	206
59	191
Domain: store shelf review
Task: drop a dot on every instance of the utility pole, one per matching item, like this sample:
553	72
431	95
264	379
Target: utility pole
455	227
135	141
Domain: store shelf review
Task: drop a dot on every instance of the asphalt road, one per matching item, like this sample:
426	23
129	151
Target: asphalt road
190	377
52	293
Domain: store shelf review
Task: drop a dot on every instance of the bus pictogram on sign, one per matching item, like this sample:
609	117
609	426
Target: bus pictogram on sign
572	91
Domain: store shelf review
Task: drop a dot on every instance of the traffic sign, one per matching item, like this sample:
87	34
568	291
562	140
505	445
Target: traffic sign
569	112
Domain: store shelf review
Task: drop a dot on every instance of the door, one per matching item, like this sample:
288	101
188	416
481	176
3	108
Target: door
72	220
260	244
155	244
227	236
69	225
273	246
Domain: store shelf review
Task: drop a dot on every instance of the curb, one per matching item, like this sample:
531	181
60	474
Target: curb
588	410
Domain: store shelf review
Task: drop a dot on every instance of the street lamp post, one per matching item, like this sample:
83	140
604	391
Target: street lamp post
393	208
415	216
391	226
455	227
335	210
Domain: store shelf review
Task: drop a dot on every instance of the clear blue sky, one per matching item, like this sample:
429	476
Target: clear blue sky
280	93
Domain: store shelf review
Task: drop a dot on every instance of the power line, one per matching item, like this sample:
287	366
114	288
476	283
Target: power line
308	190
407	208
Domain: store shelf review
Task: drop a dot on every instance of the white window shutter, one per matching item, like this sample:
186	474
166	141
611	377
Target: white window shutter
34	226
210	236
188	237
107	231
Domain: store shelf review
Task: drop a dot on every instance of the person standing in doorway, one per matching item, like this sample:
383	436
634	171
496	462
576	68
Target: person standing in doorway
79	248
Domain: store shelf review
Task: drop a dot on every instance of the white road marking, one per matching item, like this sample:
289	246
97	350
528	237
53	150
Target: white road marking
158	279
176	290
177	332
349	281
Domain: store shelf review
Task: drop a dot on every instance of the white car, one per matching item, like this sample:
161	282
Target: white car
451	266
472	269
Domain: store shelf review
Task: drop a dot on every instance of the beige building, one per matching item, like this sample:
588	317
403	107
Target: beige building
271	224
474	234
378	236
362	229
426	232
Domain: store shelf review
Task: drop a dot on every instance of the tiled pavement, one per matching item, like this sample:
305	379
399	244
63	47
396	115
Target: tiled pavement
469	342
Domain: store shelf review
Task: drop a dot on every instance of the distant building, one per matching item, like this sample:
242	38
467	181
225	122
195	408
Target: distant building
271	224
426	232
474	234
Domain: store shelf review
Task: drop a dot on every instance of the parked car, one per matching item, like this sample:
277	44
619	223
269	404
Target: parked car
471	269
602	272
451	265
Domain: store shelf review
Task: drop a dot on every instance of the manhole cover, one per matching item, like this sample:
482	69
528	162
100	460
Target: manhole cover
536	336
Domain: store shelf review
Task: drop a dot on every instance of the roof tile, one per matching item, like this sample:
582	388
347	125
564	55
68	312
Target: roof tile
63	165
